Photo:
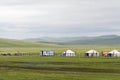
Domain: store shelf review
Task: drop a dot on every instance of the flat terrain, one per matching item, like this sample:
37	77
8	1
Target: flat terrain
59	68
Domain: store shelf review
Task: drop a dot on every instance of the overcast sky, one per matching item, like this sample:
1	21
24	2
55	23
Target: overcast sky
21	19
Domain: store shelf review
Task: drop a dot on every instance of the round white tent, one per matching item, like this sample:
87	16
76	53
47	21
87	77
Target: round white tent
68	53
92	53
115	53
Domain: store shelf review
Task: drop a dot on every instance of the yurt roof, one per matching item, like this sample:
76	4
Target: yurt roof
92	51
114	51
69	51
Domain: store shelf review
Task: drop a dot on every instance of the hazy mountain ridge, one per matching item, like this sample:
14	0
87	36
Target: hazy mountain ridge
20	43
98	40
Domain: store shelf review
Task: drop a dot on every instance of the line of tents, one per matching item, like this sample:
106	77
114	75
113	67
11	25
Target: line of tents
51	53
90	53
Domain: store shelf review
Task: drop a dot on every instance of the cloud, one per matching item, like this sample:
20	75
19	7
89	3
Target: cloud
36	18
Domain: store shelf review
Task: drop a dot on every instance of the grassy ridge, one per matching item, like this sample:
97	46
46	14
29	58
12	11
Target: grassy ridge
20	43
98	40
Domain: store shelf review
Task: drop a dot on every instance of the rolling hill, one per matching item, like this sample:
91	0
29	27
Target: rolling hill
98	40
21	43
48	41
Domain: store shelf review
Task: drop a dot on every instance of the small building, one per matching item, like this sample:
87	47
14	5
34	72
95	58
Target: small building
114	53
92	53
46	53
105	53
68	53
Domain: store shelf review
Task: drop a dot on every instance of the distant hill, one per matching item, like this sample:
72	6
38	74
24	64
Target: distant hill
98	40
20	43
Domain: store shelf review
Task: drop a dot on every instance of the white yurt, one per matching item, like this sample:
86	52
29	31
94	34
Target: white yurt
114	53
92	53
68	53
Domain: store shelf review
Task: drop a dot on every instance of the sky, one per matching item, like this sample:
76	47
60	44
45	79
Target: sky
21	19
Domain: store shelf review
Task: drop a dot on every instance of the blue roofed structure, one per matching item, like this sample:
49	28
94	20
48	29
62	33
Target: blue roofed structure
46	53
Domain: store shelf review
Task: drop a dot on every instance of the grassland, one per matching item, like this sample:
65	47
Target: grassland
8	43
57	67
58	49
35	67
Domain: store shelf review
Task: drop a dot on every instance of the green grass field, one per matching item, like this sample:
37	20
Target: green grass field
58	49
58	67
35	67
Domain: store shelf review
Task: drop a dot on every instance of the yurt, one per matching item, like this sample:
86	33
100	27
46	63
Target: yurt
68	53
105	53
91	53
114	53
